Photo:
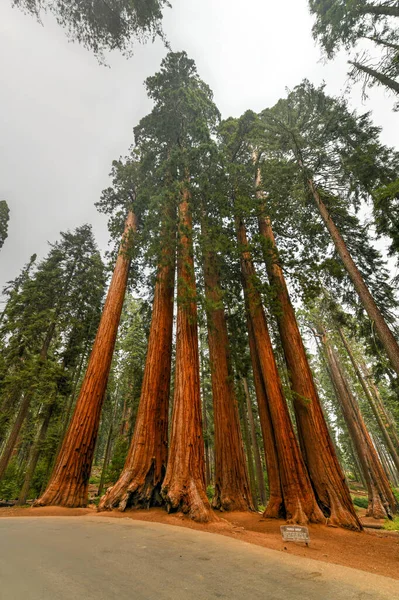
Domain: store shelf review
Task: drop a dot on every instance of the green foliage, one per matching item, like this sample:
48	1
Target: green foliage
11	482
102	25
360	501
4	218
369	29
392	525
118	459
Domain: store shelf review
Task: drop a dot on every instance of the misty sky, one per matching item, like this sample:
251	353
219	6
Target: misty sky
64	118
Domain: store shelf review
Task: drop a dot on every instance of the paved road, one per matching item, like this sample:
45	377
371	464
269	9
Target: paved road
89	558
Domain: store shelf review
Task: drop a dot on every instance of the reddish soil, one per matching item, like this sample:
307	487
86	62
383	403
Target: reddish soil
373	551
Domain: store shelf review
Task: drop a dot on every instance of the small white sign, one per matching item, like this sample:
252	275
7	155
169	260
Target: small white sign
295	533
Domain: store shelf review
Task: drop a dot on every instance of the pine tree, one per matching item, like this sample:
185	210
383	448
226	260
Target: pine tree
68	485
4	218
346	23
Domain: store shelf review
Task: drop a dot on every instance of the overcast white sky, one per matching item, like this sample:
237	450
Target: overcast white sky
64	118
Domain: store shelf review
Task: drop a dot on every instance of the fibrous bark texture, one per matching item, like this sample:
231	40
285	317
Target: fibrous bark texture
378	416
139	484
299	500
384	333
68	485
318	451
382	502
275	505
184	486
232	490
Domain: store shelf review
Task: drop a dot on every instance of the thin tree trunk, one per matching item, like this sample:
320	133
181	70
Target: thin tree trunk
380	77
369	396
381	500
184	486
384	333
68	485
205	424
255	446
388	421
35	453
275	505
299	499
380	9
13	437
232	490
317	448
248	448
140	482
10	402
108	446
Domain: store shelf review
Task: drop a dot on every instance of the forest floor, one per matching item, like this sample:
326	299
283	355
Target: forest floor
374	551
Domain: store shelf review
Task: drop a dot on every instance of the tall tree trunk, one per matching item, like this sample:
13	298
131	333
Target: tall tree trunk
248	448
205	427
255	446
184	486
381	500
13	437
370	398
232	490
275	505
377	75
140	482
299	499
68	485
389	422
318	451
35	453
25	405
7	409
384	333
380	9
108	446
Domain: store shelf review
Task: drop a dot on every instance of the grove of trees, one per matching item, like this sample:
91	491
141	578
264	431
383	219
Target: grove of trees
244	354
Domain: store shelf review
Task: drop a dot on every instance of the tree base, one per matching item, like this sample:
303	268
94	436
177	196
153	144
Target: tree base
299	514
377	510
134	491
189	499
230	502
274	509
65	496
342	517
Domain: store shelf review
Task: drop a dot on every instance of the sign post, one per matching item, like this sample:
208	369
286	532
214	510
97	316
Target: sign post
295	533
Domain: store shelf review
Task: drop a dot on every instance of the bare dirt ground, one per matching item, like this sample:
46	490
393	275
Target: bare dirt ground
373	551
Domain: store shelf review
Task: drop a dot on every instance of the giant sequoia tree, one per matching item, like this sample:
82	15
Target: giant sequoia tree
68	485
339	160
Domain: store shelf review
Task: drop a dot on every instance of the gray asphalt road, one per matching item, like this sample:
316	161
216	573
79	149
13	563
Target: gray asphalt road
94	559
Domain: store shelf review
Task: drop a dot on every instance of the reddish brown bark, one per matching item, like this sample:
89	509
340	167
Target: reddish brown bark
184	486
382	502
140	482
275	504
388	442
248	449
68	485
318	451
299	499
383	331
255	446
232	490
386	417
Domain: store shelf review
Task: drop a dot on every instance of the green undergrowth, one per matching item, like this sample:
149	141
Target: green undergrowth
360	501
392	525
